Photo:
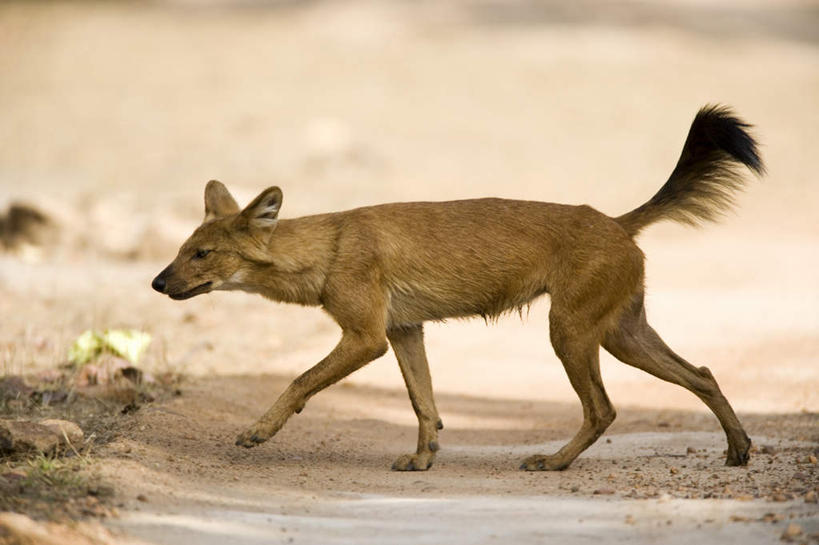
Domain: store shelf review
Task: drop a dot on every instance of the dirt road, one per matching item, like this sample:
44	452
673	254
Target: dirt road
325	478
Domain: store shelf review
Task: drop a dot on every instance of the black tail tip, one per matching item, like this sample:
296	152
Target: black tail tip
722	128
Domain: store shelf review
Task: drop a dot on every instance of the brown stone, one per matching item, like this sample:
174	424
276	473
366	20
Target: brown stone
72	431
792	531
20	437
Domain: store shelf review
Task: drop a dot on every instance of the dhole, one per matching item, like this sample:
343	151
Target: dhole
382	271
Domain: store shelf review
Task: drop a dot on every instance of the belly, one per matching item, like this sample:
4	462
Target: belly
438	299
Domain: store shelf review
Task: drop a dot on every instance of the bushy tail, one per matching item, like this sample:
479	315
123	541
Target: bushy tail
707	175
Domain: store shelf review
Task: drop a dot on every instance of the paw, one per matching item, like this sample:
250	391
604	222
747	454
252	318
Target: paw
541	462
738	455
255	435
414	462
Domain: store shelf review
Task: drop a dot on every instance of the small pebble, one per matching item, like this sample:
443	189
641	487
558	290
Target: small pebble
793	530
772	517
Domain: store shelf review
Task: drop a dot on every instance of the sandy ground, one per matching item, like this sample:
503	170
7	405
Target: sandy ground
113	116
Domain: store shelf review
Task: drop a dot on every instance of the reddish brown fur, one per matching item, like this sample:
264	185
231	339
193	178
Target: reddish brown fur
382	271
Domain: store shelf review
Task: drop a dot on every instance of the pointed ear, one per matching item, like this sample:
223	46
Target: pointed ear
263	212
218	201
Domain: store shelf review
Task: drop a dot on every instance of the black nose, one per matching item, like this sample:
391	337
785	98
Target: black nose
158	284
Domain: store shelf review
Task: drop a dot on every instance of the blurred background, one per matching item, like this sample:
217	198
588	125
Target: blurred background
113	115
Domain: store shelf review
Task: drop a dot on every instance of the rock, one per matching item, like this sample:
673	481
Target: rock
50	397
792	531
604	491
137	376
102	372
21	437
810	497
13	387
23	225
73	431
812	459
772	517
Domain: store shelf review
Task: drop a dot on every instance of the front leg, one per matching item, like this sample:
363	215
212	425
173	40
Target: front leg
408	345
355	350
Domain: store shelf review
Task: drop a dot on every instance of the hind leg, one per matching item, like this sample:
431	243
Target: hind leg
577	345
634	342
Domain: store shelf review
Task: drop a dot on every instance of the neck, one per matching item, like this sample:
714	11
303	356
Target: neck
296	262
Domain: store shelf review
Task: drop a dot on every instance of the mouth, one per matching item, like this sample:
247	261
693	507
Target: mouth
201	288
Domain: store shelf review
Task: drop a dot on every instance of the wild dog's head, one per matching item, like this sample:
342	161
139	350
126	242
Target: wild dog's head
228	237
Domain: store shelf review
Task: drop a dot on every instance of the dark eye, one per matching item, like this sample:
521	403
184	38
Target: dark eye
200	254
